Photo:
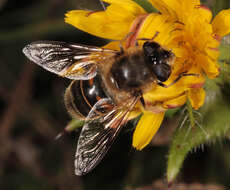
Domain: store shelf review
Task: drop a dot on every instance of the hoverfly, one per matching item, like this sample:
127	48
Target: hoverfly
106	86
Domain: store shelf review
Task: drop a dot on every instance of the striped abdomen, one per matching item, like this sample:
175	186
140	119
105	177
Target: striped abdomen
81	95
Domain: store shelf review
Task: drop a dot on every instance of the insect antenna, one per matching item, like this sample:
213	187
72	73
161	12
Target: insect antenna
146	39
149	39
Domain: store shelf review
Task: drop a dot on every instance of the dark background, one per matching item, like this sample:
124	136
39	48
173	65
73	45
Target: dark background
32	113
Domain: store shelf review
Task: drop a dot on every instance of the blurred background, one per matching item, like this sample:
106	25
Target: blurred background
32	114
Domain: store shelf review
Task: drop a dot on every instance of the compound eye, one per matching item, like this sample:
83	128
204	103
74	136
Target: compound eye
162	72
150	47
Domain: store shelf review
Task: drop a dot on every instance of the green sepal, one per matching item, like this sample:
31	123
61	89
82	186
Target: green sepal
215	126
207	125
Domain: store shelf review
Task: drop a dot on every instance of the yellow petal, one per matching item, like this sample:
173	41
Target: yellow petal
204	13
213	51
163	94
221	23
163	7
176	102
157	23
196	97
124	11
210	67
130	6
113	23
97	24
179	88
179	9
146	129
115	45
133	114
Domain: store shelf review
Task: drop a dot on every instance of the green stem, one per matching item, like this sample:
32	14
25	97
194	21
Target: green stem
190	112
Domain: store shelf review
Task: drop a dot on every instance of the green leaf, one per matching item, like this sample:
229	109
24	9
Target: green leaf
215	125
147	6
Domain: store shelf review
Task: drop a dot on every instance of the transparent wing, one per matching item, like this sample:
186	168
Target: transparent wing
97	135
74	61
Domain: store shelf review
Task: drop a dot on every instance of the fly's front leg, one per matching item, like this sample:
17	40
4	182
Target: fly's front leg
184	74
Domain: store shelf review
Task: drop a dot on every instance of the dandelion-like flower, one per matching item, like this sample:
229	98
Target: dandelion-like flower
183	26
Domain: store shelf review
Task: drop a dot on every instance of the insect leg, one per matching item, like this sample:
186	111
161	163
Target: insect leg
142	101
184	74
140	95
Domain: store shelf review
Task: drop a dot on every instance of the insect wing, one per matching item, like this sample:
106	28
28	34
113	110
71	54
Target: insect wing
74	61
97	135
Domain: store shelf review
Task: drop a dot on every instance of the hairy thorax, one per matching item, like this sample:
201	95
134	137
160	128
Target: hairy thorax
126	75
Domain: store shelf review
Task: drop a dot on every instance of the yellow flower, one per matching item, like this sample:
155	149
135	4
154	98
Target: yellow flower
185	27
